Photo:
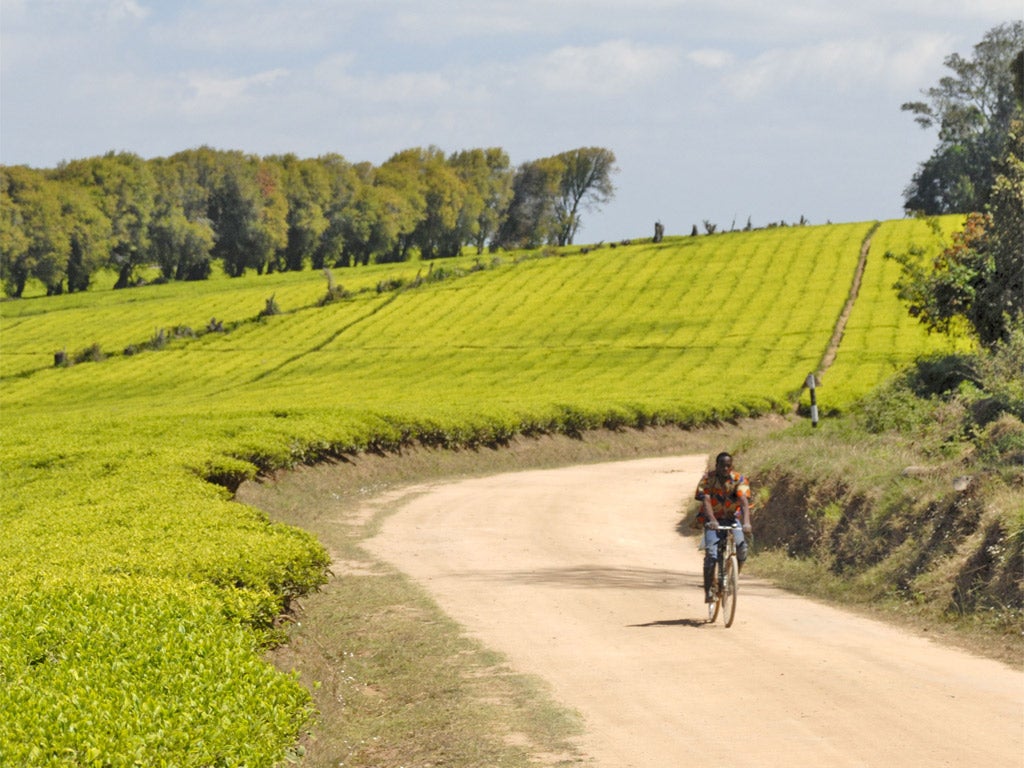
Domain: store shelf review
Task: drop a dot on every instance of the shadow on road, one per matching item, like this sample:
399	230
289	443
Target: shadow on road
595	576
673	623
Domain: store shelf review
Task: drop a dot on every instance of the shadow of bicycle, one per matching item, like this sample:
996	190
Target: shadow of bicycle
673	623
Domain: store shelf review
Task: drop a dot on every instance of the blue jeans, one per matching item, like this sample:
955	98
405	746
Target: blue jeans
711	544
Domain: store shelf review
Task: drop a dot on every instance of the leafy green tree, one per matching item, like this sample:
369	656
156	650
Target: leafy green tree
586	185
250	215
181	233
124	189
487	175
307	192
14	240
342	181
402	187
972	109
270	237
372	230
88	231
532	219
979	278
234	209
437	232
35	239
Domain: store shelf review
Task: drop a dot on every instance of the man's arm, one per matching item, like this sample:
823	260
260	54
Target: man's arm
709	513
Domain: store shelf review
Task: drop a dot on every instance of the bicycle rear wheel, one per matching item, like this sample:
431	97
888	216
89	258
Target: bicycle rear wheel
732	578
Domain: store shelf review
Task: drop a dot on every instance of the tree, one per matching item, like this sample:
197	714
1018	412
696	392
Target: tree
250	215
487	175
531	219
402	187
979	278
972	109
342	180
88	231
307	191
14	240
181	233
124	189
35	244
439	233
586	184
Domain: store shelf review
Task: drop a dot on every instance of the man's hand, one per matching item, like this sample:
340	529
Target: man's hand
747	529
712	523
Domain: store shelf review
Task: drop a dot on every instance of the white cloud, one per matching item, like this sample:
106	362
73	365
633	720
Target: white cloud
711	58
262	28
839	65
610	68
211	94
126	9
336	74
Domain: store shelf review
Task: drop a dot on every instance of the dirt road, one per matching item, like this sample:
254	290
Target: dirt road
578	576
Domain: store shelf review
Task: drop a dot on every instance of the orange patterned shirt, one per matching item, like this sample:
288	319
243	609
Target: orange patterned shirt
724	496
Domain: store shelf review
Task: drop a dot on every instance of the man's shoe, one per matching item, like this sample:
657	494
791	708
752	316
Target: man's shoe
709	596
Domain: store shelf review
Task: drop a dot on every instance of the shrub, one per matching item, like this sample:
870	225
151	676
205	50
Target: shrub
271	308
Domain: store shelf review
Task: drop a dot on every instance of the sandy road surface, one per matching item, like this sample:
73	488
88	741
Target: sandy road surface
579	577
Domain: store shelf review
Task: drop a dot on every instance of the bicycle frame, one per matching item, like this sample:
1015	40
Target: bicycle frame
726	576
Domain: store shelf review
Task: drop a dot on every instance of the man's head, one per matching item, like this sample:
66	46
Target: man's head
723	465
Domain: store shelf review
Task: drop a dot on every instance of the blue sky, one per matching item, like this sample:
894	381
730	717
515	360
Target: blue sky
716	111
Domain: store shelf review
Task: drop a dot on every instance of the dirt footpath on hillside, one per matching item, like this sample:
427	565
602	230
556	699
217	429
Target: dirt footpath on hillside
579	576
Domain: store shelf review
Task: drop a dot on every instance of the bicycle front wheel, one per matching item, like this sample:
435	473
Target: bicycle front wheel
732	578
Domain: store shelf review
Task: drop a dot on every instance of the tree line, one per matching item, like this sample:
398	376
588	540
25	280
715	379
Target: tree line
282	213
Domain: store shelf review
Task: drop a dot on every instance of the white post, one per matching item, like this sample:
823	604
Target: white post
814	400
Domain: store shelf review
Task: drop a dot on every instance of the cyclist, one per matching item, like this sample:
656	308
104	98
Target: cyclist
722	494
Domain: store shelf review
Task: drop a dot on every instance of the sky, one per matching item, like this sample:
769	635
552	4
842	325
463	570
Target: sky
725	111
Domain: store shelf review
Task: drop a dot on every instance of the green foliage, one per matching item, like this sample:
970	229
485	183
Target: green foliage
1001	373
972	109
979	277
586	184
271	307
84	677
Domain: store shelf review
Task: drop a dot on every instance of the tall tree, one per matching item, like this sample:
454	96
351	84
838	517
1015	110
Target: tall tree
979	278
437	232
181	233
487	175
307	191
14	239
250	215
403	196
586	185
342	181
972	109
531	219
125	189
33	236
371	230
88	231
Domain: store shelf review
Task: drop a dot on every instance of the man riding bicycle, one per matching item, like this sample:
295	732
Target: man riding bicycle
722	493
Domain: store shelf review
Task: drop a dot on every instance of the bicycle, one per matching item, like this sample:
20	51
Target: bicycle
727	576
